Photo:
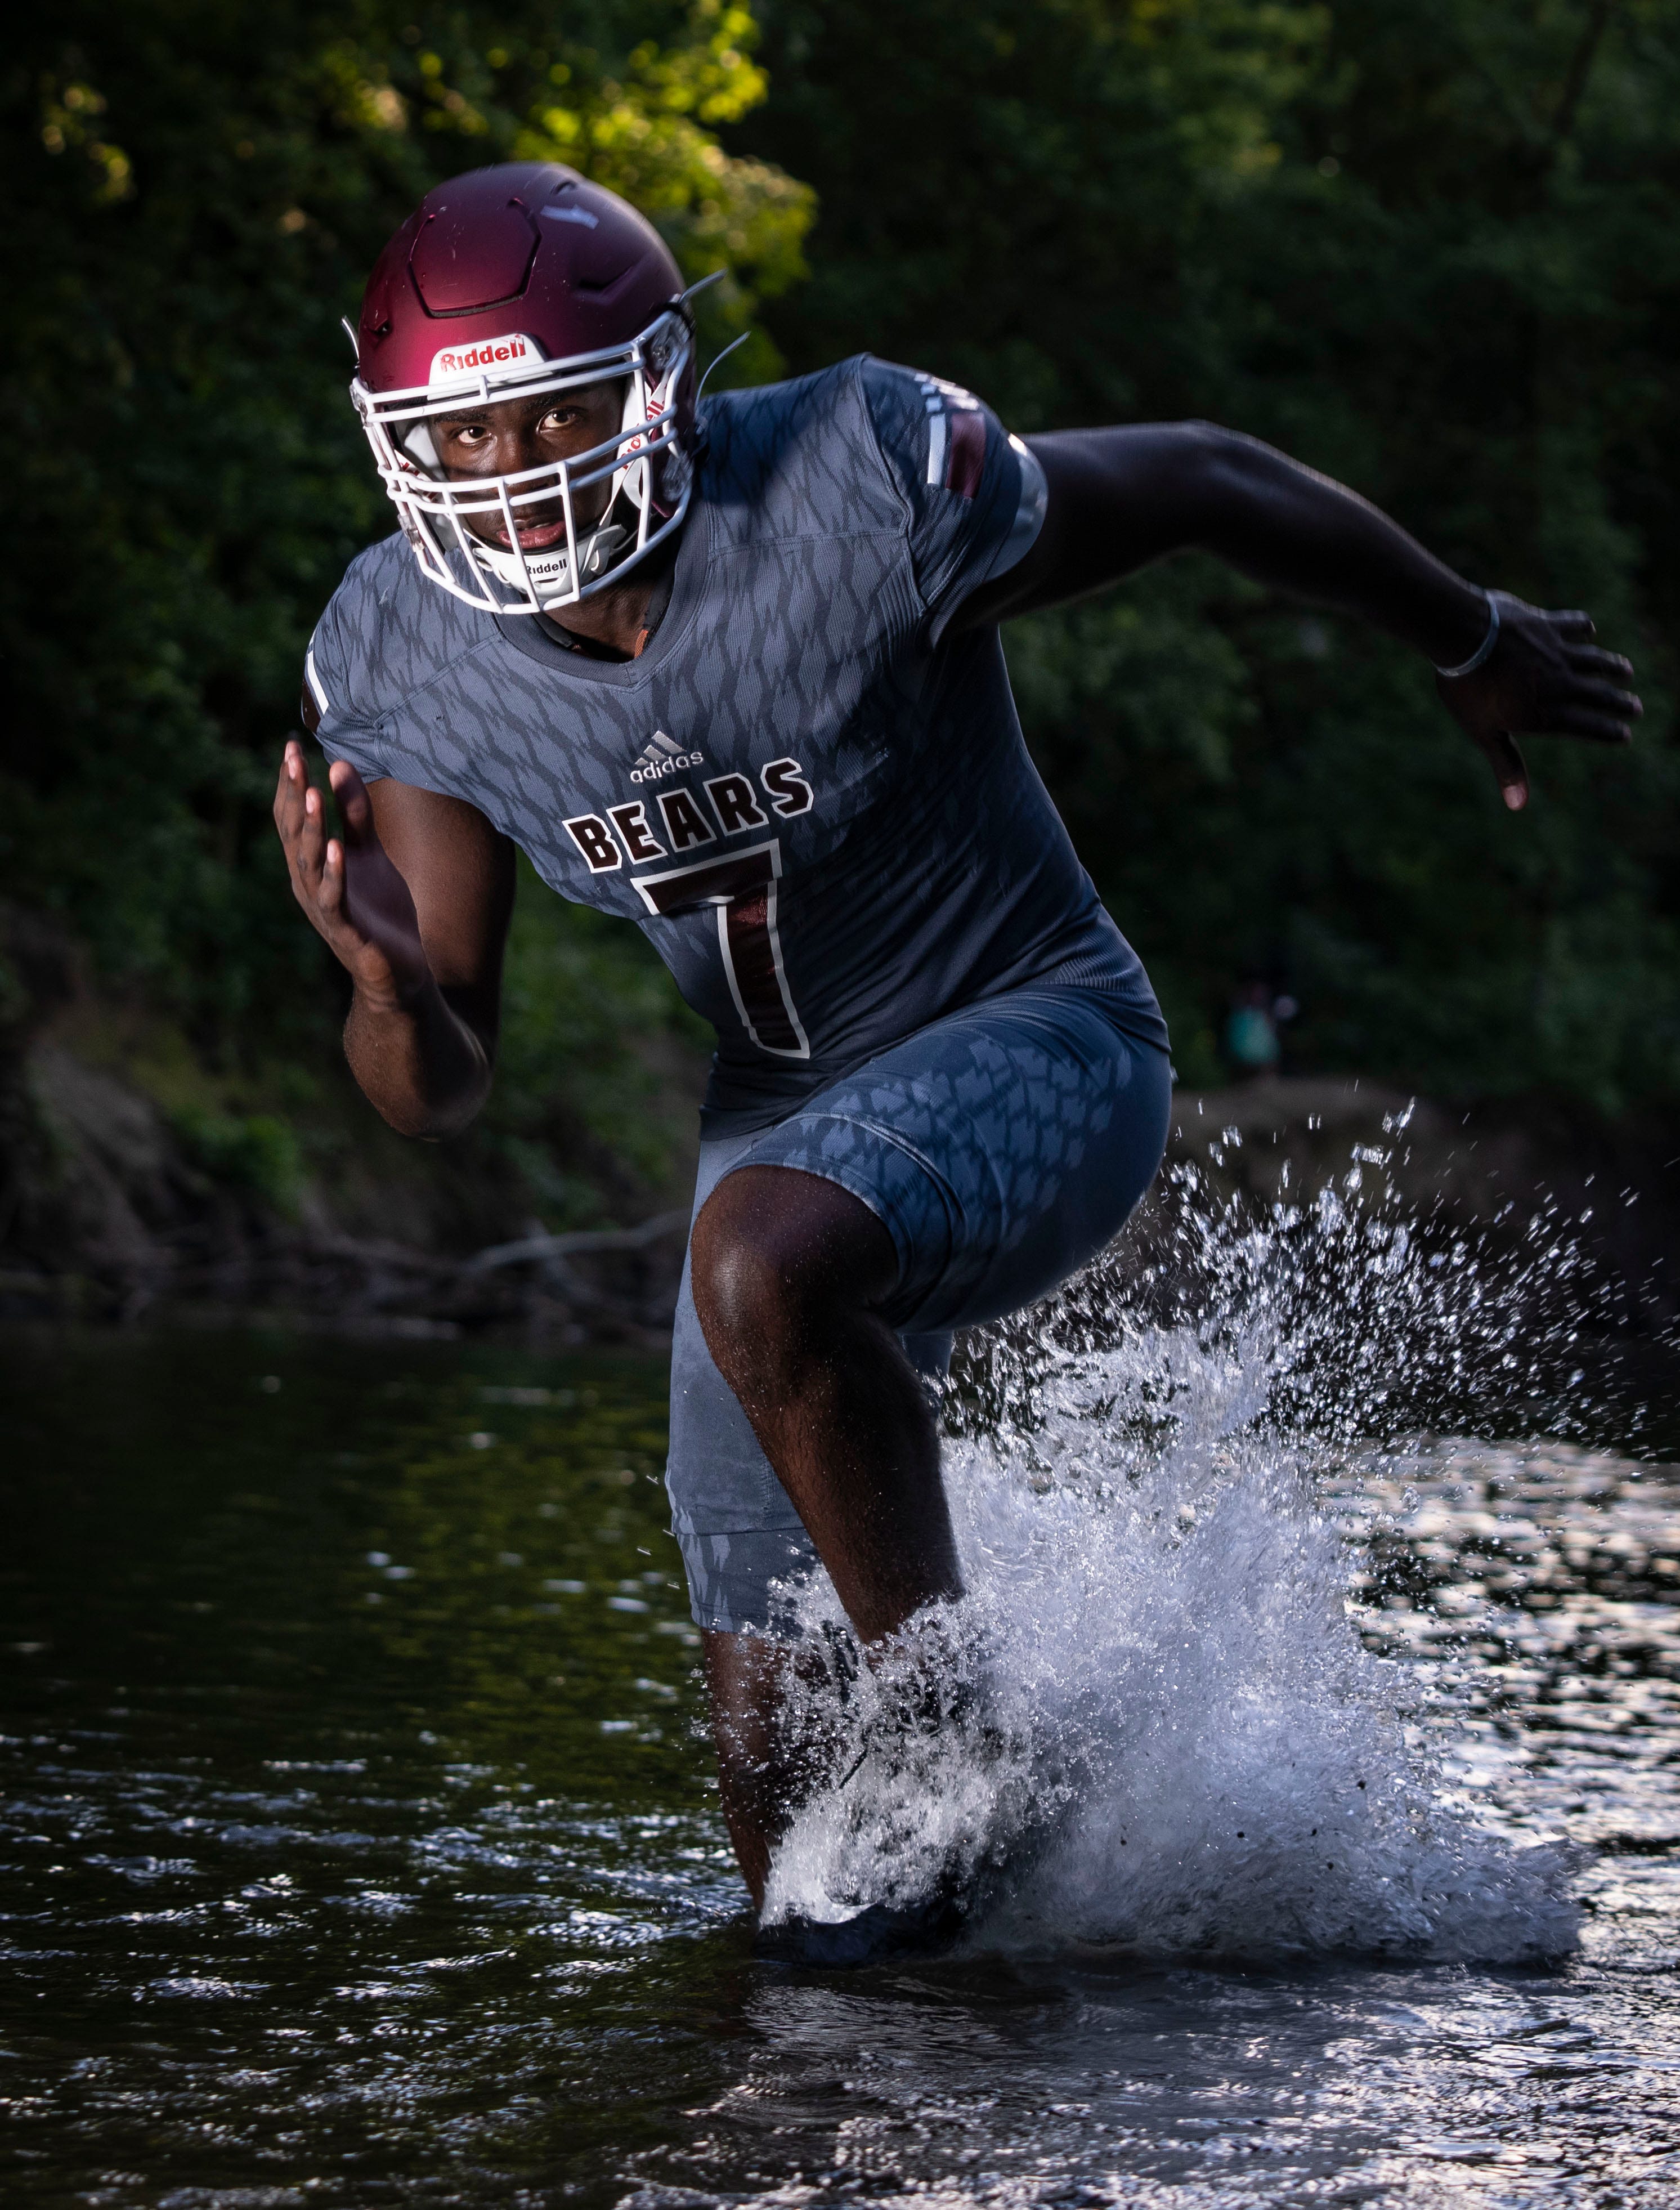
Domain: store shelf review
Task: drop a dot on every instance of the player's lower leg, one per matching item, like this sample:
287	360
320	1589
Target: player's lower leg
766	1767
786	1270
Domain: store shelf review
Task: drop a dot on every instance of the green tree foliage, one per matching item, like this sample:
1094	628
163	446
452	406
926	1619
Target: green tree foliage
1432	249
195	190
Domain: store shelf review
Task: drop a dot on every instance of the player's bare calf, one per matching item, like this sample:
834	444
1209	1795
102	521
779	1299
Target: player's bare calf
789	1272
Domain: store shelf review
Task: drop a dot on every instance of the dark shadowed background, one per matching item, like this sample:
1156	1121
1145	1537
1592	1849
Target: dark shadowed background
1431	249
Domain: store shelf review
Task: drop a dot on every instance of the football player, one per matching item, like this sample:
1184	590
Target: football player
732	669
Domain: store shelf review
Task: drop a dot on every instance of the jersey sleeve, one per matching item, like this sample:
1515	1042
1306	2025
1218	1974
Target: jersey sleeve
976	494
327	707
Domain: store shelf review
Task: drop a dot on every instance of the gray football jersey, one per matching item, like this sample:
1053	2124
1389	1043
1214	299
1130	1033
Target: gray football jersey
816	803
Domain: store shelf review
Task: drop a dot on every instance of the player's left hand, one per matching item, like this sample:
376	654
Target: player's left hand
1544	677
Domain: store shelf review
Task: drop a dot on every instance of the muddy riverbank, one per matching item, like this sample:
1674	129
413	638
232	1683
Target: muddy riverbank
116	1211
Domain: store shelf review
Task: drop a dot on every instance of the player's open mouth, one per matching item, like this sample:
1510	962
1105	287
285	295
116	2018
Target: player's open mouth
533	536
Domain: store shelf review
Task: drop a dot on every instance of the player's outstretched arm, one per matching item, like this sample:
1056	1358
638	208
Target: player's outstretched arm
1122	497
414	901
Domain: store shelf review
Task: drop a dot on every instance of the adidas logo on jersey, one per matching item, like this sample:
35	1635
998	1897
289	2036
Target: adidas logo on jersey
662	758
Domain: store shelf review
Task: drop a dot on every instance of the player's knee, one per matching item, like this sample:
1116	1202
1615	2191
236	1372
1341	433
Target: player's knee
735	1284
750	1292
779	1258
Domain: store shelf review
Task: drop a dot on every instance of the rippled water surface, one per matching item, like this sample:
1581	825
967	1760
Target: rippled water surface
358	1847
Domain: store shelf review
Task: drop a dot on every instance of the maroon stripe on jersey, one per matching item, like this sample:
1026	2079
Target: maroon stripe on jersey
752	951
968	453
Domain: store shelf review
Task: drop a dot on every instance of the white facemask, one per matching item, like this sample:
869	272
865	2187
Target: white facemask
648	474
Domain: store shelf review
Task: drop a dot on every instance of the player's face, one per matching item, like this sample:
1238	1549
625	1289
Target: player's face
514	434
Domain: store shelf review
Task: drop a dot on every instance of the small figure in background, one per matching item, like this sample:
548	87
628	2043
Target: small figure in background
1251	1044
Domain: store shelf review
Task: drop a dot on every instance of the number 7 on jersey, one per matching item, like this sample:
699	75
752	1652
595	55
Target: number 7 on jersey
744	888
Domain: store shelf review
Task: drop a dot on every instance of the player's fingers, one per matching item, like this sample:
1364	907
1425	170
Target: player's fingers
1590	697
1593	660
329	896
310	843
1597	727
293	825
1506	760
355	806
289	792
299	822
1576	627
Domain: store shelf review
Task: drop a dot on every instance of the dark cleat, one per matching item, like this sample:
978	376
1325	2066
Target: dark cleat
878	1935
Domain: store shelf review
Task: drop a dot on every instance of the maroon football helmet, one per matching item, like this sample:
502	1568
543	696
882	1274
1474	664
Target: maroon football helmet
508	283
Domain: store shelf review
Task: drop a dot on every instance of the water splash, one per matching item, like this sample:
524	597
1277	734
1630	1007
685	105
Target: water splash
1154	1724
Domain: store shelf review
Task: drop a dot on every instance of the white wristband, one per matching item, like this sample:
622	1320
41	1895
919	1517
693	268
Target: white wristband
1476	658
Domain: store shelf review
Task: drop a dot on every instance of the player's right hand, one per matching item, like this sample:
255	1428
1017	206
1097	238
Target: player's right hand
350	890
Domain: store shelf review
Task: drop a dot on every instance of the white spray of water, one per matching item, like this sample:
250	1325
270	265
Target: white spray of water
1153	1723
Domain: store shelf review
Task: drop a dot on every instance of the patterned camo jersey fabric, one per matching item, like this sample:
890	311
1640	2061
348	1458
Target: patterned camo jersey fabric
816	802
1002	1148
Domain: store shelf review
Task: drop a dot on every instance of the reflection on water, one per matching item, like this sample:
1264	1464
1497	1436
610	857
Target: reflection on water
357	1847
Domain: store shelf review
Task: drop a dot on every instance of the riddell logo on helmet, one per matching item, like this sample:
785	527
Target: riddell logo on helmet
490	354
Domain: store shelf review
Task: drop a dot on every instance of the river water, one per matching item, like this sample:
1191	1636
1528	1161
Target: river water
359	1845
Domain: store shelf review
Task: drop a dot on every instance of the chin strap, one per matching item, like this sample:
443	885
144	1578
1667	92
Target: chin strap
597	550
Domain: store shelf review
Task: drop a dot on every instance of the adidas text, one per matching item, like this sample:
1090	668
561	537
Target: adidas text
662	758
